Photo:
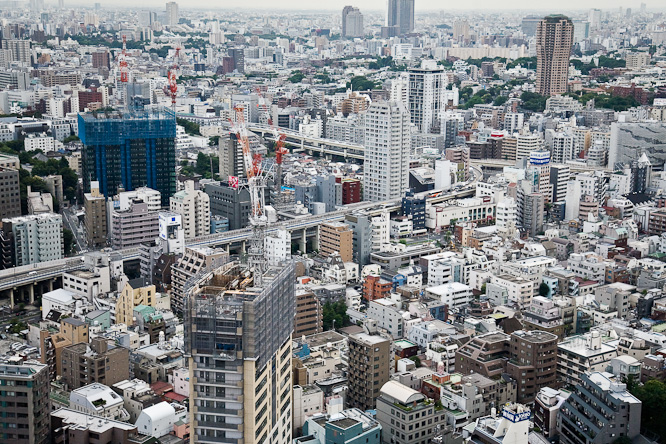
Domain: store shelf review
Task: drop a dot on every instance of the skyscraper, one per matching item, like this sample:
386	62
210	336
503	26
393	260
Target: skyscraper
401	14
238	341
554	40
352	22
386	160
426	94
129	150
171	14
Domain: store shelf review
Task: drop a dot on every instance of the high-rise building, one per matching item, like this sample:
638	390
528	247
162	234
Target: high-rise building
133	226
19	49
368	367
32	239
10	197
171	14
308	319
559	178
24	402
426	94
352	22
529	25
401	14
231	157
238	342
388	142
461	30
599	409
94	205
194	206
100	59
238	56
553	46
130	150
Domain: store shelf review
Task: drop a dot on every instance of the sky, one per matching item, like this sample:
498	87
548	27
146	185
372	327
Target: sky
378	5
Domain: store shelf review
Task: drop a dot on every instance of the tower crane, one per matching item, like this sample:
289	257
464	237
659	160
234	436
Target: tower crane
124	68
171	89
256	184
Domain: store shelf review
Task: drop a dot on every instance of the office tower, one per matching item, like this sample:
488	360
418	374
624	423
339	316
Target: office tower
594	17
553	46
32	239
171	14
529	25
10	198
599	409
194	206
84	363
426	95
352	22
401	14
94	205
386	160
238	56
581	30
460	30
336	237
238	343
368	367
129	150
230	202
24	402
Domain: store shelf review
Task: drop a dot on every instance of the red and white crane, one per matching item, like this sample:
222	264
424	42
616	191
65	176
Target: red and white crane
171	89
256	184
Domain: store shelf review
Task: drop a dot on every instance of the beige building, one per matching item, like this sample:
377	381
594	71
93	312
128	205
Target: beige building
554	39
194	207
135	292
94	205
336	237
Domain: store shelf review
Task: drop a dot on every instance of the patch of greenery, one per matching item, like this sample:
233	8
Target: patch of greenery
533	101
191	128
335	311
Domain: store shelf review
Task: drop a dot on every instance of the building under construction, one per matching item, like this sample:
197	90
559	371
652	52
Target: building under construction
129	149
238	340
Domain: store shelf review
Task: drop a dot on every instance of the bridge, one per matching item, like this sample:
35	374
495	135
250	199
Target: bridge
25	283
304	142
500	163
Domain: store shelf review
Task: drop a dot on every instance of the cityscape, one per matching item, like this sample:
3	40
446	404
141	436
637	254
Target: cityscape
398	222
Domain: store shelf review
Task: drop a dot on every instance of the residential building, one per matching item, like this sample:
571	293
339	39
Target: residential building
336	237
426	95
406	415
133	226
554	39
579	354
194	208
32	239
600	409
387	150
171	14
84	363
532	362
24	402
10	196
94	205
546	407
368	367
345	427
309	317
135	292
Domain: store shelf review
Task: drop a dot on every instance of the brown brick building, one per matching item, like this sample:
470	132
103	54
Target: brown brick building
83	364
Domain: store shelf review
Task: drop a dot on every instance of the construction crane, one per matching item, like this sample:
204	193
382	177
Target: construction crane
256	184
124	68
171	89
280	150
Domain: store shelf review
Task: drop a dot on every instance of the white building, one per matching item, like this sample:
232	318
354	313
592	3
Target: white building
172	235
579	354
39	142
426	94
194	207
507	213
387	151
152	198
86	283
277	247
60	300
388	316
308	401
526	143
37	238
99	400
158	420
455	294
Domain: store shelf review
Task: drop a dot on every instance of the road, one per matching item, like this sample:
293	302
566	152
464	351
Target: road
72	223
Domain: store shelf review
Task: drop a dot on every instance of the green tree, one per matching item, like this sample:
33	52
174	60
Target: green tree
191	128
533	101
296	77
653	396
335	311
544	289
68	240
